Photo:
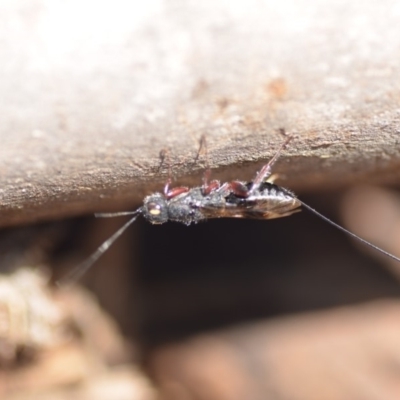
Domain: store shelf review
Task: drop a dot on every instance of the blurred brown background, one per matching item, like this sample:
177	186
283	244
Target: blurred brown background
90	92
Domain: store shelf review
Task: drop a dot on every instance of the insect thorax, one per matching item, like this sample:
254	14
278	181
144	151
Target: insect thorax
186	208
183	208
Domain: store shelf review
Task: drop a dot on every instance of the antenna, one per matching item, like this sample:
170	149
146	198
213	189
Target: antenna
82	268
387	254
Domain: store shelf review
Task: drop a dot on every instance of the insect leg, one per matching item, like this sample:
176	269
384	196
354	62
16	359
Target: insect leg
164	159
266	170
170	193
208	186
238	189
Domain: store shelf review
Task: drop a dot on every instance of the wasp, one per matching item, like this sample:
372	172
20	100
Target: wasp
257	199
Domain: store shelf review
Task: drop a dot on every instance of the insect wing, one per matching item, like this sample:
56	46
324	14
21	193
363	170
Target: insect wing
272	207
259	208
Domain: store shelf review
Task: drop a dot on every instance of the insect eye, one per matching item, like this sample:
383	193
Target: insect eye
154	209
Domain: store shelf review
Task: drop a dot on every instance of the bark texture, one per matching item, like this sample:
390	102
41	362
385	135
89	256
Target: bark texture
91	92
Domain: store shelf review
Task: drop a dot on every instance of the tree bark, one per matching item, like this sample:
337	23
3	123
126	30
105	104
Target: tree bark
91	93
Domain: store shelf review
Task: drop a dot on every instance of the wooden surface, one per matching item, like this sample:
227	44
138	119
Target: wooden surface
90	93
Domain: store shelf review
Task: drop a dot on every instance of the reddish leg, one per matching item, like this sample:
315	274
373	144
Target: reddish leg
235	187
238	189
170	193
266	170
208	186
